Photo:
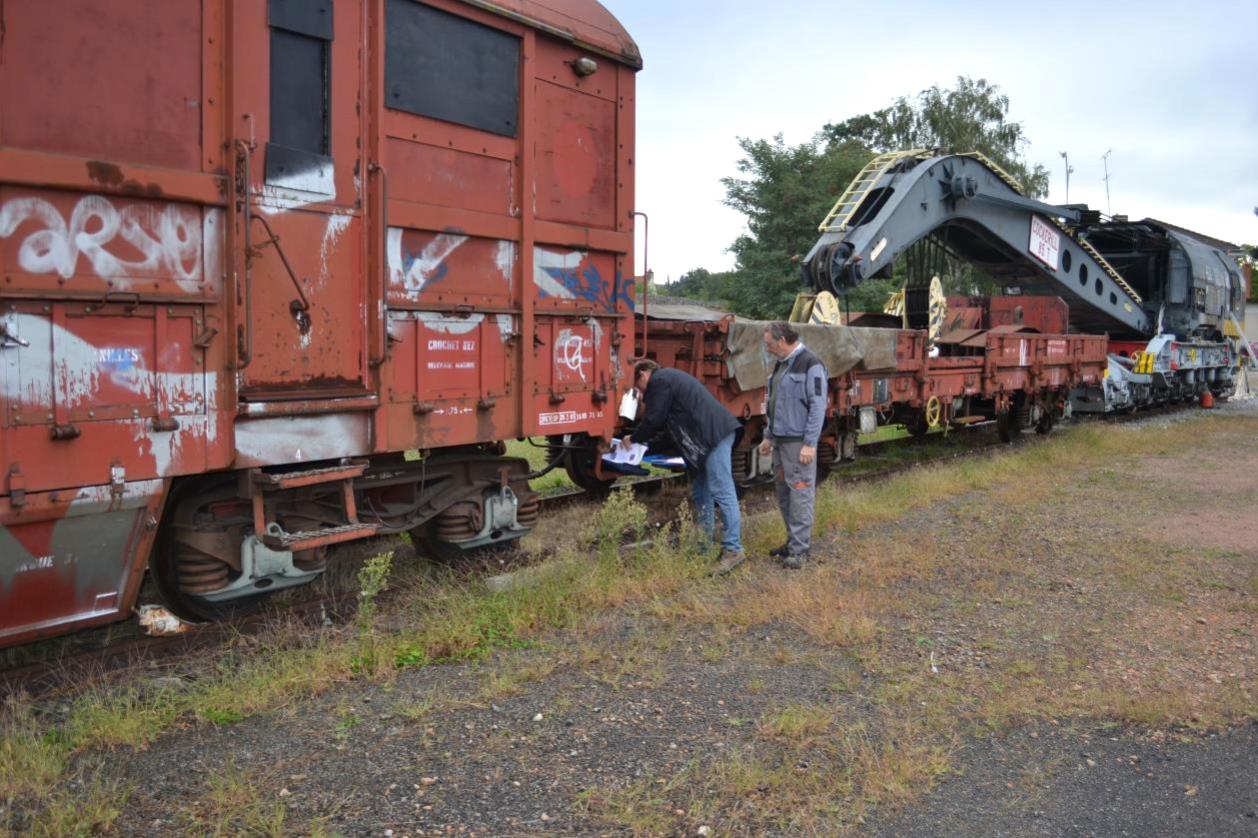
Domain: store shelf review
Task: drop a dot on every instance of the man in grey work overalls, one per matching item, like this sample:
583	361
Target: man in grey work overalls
796	407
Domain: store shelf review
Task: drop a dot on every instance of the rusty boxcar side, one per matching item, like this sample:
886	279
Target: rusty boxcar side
252	250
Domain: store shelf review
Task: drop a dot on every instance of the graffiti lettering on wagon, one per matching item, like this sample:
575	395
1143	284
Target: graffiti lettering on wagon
570	353
573	275
166	238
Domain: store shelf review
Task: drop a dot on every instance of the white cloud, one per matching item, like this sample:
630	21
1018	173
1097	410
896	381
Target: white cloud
1168	86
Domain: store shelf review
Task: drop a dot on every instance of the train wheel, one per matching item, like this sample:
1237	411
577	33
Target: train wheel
918	426
197	561
582	453
444	537
827	456
1005	427
198	538
451	553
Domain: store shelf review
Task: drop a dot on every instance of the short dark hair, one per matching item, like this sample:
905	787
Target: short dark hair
781	330
644	366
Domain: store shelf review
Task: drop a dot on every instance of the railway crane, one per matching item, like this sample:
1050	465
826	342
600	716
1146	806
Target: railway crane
1170	300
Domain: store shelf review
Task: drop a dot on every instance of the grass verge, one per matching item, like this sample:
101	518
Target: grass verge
885	599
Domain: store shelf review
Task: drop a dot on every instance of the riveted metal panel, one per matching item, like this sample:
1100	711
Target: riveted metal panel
113	82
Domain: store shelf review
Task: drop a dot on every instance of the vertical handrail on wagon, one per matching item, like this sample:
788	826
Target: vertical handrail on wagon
299	307
301	304
380	352
244	336
646	275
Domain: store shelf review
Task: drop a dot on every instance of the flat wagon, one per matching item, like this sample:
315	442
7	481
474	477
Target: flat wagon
1005	359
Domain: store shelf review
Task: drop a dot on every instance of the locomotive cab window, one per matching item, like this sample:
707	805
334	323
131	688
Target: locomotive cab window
298	155
446	67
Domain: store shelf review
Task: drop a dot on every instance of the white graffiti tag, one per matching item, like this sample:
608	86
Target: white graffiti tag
167	237
413	271
571	350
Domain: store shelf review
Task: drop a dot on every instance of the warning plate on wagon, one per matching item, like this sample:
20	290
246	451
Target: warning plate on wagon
1045	242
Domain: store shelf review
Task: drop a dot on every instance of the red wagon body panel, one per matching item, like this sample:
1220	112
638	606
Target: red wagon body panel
181	301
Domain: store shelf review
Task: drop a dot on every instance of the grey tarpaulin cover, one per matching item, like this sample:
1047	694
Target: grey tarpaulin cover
840	348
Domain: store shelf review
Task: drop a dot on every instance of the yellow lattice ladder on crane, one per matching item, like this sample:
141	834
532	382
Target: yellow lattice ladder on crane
844	208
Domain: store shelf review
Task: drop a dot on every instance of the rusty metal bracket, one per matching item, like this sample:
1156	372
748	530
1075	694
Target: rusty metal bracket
8	340
205	337
422	408
62	433
17	487
130	300
165	424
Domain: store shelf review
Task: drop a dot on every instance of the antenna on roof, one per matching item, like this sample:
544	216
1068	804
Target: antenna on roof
1105	162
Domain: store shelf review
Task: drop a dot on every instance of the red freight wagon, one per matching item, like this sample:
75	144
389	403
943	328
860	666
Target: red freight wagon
989	365
253	250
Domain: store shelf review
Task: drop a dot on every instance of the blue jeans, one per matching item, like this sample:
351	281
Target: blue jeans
713	485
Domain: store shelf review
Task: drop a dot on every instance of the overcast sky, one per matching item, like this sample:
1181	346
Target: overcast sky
1170	87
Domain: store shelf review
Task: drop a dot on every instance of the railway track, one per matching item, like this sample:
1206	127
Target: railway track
54	665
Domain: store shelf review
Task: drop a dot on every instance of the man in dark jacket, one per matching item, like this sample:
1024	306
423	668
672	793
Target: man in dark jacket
796	407
704	431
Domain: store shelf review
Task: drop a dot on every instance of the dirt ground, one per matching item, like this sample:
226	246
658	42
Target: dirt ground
1068	654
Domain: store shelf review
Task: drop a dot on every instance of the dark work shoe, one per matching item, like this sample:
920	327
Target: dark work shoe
781	552
729	561
795	562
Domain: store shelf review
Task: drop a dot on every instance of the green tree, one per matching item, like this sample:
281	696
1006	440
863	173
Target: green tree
784	192
973	116
1249	258
698	284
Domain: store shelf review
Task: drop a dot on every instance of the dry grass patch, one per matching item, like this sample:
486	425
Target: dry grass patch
808	776
1021	601
233	805
798	722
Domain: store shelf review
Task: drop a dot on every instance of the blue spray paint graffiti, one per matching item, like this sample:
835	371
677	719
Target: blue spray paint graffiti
574	276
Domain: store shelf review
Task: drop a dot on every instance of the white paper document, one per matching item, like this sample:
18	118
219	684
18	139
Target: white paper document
631	457
629	405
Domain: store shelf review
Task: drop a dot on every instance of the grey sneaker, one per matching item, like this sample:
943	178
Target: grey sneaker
795	562
729	561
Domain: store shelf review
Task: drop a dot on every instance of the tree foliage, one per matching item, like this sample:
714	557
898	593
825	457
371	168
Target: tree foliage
1250	257
698	284
971	117
784	191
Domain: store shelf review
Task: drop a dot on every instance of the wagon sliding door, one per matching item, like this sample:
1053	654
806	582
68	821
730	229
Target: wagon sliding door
298	117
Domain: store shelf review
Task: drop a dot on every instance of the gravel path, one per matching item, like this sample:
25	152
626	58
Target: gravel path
1050	781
